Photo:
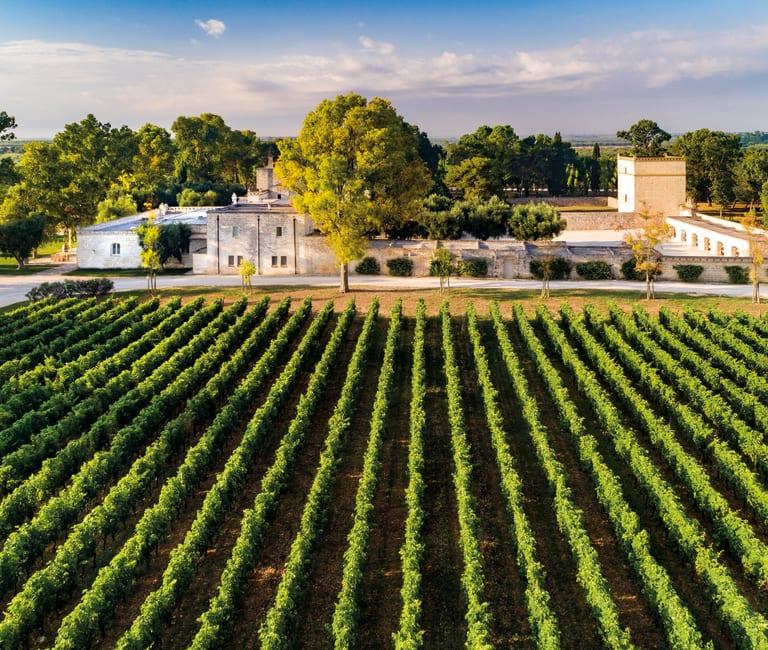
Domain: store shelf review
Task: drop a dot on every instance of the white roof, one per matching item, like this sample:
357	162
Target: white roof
190	216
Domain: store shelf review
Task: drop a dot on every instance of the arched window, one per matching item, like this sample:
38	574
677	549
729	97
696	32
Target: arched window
734	251
707	244
694	240
683	235
115	248
673	232
720	248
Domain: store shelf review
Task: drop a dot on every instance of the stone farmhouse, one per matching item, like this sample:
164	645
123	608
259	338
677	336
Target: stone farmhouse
264	227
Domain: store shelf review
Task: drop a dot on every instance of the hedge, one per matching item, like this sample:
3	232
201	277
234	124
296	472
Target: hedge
72	289
368	266
688	272
629	272
737	274
594	270
400	266
477	267
560	269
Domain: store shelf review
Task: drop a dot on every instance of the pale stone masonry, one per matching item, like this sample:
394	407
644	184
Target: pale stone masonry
265	228
652	185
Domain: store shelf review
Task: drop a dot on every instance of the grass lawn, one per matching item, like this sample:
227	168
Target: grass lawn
123	273
8	266
459	298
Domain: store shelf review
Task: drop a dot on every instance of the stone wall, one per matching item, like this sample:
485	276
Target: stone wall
608	220
94	250
714	267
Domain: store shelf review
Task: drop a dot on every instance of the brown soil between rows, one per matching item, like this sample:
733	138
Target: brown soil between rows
109	547
183	626
577	626
121	418
735	500
504	586
726	555
325	572
444	605
150	577
662	546
634	610
380	602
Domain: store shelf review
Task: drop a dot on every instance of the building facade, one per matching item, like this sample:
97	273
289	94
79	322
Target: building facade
651	185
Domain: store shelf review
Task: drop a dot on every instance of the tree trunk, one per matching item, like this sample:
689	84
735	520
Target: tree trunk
69	239
343	278
648	290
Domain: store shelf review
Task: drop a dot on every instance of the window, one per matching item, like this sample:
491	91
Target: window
734	251
239	260
283	260
694	240
279	196
720	248
235	231
673	232
683	236
274	260
707	244
625	198
279	232
231	260
115	249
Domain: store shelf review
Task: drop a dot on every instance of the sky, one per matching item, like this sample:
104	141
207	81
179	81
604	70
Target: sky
540	65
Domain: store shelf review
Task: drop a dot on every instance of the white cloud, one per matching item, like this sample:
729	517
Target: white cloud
212	27
42	81
380	47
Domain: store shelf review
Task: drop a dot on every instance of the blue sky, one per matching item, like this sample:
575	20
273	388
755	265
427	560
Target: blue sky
578	67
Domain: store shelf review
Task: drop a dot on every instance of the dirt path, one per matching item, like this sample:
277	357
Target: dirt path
634	610
444	603
183	626
727	557
150	577
380	602
505	589
662	547
577	626
327	562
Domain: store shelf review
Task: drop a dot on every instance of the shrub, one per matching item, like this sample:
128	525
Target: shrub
629	272
368	266
737	274
688	272
594	270
400	266
476	267
72	289
560	269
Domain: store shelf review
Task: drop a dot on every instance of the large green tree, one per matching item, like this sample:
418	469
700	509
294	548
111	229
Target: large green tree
484	163
7	125
751	173
19	237
537	222
67	178
646	138
354	167
711	158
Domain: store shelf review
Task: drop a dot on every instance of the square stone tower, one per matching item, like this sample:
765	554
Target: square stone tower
651	185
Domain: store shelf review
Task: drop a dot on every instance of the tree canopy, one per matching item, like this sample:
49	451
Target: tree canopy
646	138
535	222
711	158
7	125
19	237
354	168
